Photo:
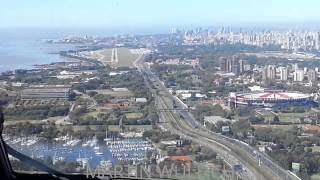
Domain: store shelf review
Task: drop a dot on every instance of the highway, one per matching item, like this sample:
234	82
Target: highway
256	165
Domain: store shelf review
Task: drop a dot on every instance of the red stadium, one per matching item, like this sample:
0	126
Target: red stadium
277	99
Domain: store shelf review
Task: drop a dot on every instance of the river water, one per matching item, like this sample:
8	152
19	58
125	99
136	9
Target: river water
23	48
25	52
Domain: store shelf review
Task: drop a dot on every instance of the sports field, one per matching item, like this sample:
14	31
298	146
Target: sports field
134	115
284	117
113	93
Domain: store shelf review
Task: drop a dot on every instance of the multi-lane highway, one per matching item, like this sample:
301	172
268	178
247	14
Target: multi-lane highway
256	165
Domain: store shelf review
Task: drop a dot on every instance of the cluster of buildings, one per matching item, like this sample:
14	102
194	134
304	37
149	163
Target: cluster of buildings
234	65
272	72
289	40
178	61
187	94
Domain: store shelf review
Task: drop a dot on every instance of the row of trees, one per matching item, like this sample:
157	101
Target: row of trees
209	110
35	113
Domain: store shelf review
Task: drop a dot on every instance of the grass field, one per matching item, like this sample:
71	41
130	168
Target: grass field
134	115
114	93
286	117
275	127
125	57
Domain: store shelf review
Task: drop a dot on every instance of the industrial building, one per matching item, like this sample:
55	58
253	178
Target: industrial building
46	93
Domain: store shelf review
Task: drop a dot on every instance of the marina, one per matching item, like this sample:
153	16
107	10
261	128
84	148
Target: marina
64	148
132	150
83	152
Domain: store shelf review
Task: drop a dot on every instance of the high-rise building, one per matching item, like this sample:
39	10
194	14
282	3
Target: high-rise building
247	67
317	41
231	65
298	75
295	67
283	73
312	76
235	66
242	63
269	72
223	64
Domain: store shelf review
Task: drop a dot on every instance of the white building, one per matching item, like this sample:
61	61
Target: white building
141	100
256	88
185	95
312	75
295	67
283	73
269	72
298	75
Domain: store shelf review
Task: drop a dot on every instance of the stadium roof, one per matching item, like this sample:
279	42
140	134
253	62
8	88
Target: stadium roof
273	95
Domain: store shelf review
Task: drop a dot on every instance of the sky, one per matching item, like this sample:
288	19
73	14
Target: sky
155	13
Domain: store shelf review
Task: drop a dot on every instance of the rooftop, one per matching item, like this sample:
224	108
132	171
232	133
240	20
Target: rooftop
181	158
46	90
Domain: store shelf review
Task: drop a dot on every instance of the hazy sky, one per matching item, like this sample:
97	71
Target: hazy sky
154	13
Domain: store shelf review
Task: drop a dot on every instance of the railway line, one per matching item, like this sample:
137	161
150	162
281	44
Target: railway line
257	166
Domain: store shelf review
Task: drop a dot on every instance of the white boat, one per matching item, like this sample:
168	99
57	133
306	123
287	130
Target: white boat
56	158
85	144
82	161
93	142
98	152
72	142
75	142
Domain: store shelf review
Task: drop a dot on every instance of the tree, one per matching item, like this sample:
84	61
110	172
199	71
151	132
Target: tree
92	93
301	119
3	98
241	128
256	120
208	110
51	132
76	113
79	87
147	134
276	120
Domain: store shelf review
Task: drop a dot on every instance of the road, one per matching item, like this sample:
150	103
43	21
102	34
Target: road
85	96
256	165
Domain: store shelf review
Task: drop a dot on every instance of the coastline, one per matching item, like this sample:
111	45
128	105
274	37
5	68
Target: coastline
27	53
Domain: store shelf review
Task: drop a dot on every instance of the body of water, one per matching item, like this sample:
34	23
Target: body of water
70	154
25	53
72	150
23	48
42	150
